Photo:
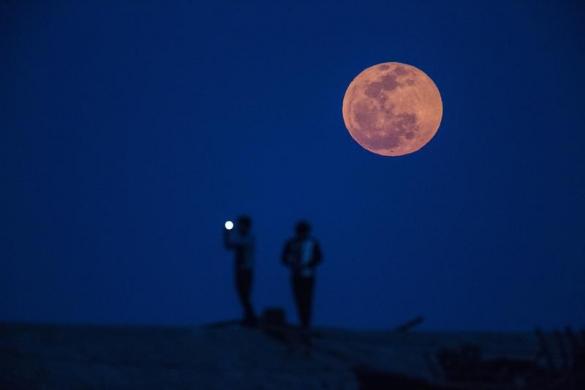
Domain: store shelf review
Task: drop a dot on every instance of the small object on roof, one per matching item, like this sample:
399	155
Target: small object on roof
274	317
409	325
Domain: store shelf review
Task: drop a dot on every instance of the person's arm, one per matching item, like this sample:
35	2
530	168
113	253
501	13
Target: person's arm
317	255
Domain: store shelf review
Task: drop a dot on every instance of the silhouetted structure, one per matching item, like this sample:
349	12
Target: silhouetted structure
302	254
242	242
562	367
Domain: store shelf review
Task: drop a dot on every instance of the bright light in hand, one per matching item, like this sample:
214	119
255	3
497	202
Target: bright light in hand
229	225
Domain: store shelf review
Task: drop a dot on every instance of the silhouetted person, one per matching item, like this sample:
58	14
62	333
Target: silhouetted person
241	241
302	254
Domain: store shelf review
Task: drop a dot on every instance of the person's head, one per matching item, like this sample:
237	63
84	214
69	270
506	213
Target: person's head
303	229
244	224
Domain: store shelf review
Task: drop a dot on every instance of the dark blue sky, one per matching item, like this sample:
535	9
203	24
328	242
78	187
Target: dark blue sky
130	132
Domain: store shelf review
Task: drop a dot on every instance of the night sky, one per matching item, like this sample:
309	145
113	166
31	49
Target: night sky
130	132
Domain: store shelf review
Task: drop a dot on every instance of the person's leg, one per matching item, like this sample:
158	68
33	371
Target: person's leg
308	297
250	314
297	288
306	300
244	288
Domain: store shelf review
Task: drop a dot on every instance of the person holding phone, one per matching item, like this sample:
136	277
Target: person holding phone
241	241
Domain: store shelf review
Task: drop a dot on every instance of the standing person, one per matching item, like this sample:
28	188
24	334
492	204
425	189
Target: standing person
242	242
302	254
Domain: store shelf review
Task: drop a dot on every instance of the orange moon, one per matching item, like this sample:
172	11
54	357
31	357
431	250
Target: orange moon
392	109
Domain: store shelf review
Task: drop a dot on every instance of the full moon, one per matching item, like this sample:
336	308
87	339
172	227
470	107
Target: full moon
392	109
